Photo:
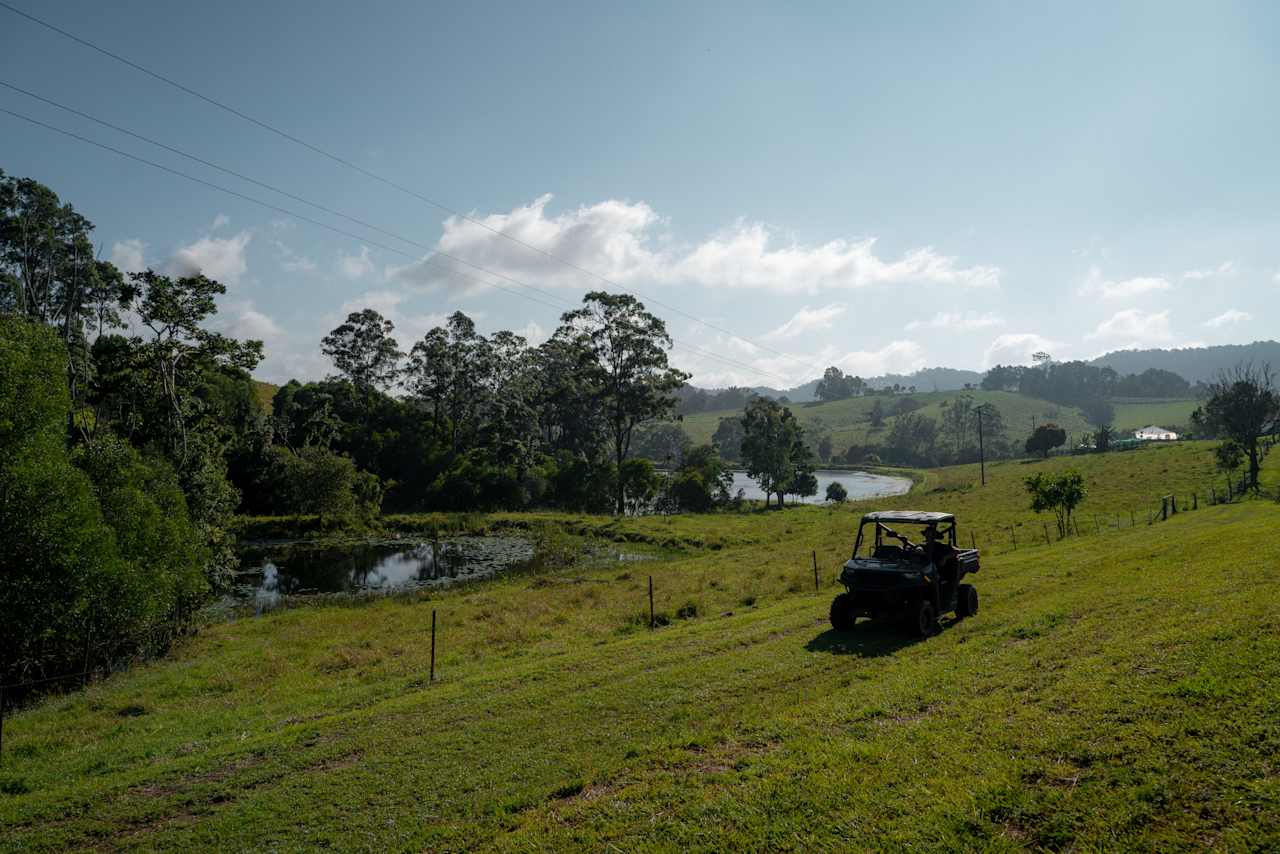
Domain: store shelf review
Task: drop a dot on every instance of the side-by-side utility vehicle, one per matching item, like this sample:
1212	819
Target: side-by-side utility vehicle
912	580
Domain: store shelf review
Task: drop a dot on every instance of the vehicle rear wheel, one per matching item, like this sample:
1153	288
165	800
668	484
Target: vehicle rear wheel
922	619
966	600
842	613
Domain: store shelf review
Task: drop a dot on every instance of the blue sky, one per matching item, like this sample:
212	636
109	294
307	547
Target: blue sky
879	187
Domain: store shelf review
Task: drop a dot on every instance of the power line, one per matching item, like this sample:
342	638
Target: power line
394	184
560	305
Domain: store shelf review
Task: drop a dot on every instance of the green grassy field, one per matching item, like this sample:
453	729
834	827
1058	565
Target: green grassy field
1134	415
848	420
1120	690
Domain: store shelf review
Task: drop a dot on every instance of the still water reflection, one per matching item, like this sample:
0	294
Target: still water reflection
271	572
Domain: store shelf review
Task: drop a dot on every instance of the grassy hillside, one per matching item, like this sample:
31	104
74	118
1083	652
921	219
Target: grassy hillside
848	420
1134	414
1119	691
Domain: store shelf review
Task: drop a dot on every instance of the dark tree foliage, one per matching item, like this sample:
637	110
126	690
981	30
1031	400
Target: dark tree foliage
690	400
834	385
774	451
912	440
1098	412
98	543
663	442
728	438
1243	406
1153	382
629	348
1045	438
363	350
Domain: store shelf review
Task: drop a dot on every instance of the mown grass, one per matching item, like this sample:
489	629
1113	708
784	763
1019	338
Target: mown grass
849	420
1119	690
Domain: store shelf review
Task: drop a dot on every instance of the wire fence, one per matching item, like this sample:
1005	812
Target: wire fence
1039	531
1022	535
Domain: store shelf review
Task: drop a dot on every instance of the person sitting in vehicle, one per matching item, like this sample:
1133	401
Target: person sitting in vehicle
936	550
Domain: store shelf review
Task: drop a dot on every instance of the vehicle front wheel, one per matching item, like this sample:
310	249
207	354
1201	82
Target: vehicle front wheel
966	601
842	613
922	620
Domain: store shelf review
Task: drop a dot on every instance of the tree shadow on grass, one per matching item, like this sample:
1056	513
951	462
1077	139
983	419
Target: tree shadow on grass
871	639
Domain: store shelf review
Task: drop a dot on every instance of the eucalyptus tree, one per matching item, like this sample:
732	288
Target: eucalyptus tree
567	400
364	351
179	347
636	383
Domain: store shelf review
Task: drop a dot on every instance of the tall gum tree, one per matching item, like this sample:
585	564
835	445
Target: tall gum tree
636	383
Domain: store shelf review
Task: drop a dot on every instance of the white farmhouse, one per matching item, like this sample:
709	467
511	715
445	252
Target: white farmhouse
1155	434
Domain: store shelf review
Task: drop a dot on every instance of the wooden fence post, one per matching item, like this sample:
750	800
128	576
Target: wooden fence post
651	601
432	677
1195	502
1213	495
1013	536
1046	532
973	541
1130	518
1173	505
815	571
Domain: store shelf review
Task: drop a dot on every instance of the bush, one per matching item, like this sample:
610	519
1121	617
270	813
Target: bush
318	481
93	552
836	493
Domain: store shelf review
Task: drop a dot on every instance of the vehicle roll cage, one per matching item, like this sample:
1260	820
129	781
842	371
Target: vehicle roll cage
948	533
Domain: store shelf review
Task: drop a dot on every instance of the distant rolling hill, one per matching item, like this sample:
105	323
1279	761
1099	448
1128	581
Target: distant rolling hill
1194	364
849	420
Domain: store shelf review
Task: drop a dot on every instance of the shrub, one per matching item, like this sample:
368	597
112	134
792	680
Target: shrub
836	493
97	551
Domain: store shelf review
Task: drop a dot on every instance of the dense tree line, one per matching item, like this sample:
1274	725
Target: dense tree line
1078	383
114	497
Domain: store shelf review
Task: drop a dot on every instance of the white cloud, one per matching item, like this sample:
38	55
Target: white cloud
807	320
958	321
241	319
743	258
783	370
220	221
1016	348
1229	317
1096	285
292	262
896	357
129	256
217	258
1136	325
1226	268
620	241
356	266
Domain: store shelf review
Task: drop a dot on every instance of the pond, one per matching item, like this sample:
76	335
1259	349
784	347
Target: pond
272	571
859	484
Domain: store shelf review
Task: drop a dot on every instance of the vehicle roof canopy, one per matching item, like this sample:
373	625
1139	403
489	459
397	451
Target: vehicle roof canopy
922	517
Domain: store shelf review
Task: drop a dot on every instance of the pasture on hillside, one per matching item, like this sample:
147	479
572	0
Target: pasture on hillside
849	420
1134	414
1116	690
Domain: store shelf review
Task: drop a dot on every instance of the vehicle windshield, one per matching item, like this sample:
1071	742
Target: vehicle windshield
904	539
